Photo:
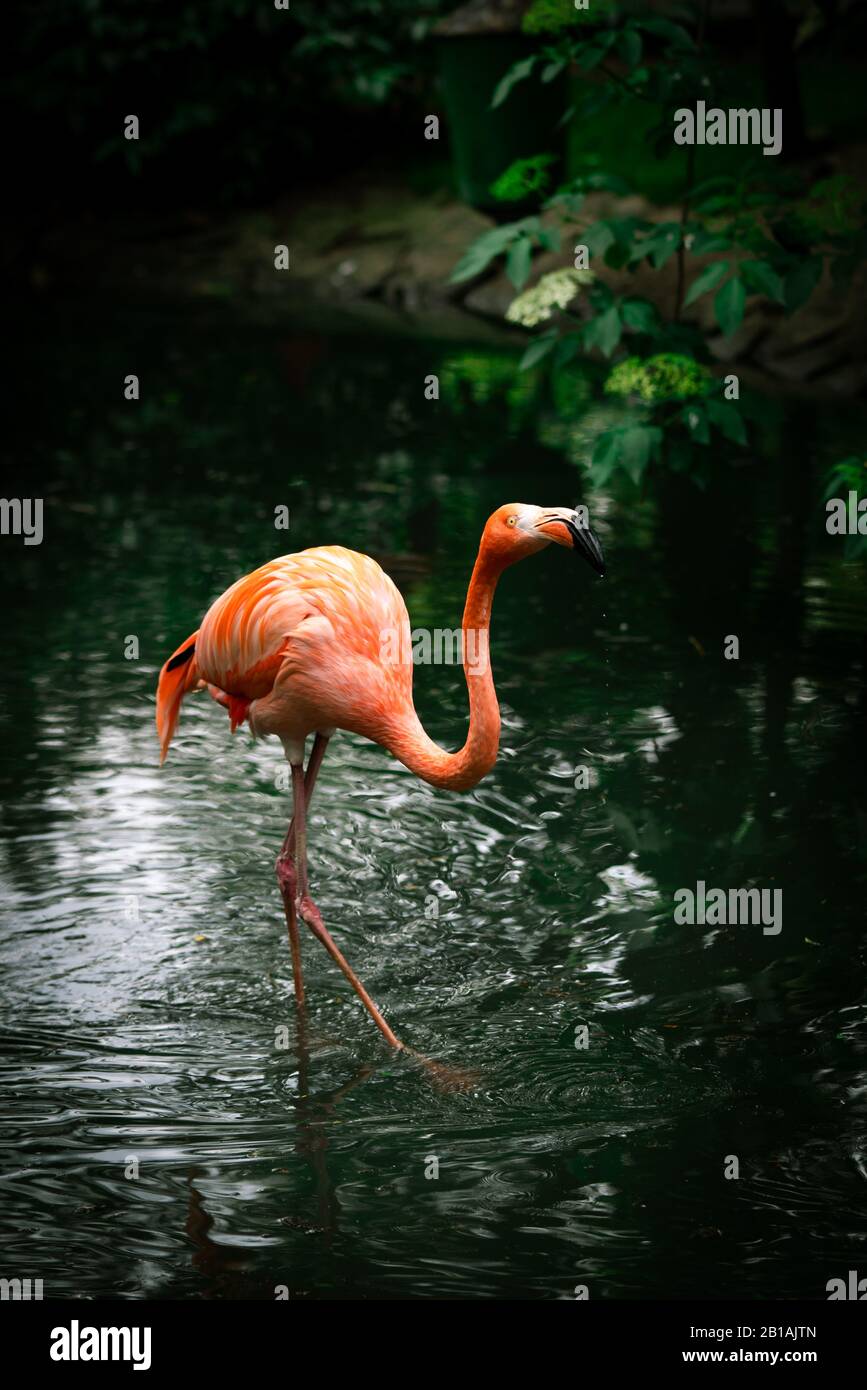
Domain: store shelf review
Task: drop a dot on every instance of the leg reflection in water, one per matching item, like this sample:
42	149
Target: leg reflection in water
231	1273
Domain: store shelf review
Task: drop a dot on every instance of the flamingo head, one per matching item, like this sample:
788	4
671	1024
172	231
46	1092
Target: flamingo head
519	529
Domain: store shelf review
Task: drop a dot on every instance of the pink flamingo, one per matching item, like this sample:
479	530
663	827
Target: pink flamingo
319	641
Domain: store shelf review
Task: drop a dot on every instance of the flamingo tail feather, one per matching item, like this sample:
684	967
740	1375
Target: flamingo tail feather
178	677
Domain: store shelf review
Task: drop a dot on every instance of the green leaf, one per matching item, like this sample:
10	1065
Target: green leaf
666	29
589	54
606	450
717	184
710	276
800	282
718	202
517	73
604	331
598	237
729	305
639	315
705	243
537	350
549	238
553	70
695	419
479	255
524	178
728	420
630	47
761	278
638	444
490	245
518	261
568	346
626	229
848	473
659	245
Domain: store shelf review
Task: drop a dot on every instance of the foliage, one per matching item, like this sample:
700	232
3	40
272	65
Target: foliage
850	474
765	234
664	377
523	177
230	72
678	403
553	16
516	241
472	379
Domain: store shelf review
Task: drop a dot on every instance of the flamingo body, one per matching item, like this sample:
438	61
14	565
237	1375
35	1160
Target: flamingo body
320	640
300	640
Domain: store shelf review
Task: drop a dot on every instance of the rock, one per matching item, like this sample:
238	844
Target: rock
373	253
484	17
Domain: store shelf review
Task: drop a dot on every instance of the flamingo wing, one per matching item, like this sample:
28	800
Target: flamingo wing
302	638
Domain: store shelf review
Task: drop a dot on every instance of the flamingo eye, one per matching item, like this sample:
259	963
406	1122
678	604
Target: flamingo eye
511	521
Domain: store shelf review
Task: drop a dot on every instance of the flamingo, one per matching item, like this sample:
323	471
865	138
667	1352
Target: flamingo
320	640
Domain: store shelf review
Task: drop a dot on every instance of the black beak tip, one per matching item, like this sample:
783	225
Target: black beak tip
587	545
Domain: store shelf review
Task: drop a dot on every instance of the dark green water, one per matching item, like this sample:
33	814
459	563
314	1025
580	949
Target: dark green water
145	967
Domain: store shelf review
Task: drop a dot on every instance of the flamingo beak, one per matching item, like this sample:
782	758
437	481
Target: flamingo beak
568	528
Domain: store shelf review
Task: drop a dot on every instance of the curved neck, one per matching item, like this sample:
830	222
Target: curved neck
411	745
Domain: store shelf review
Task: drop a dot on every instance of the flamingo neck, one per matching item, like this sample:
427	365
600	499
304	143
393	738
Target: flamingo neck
411	745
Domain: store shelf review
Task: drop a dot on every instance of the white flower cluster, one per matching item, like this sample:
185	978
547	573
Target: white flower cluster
554	291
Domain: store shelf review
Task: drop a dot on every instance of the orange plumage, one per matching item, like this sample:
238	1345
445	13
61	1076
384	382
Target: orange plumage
319	641
296	647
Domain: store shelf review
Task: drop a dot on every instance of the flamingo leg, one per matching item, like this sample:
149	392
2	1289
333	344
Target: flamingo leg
286	873
314	762
309	912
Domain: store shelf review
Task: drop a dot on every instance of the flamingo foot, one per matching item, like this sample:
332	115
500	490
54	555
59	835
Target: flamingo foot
444	1077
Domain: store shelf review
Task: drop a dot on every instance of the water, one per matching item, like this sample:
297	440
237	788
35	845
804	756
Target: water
146	979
